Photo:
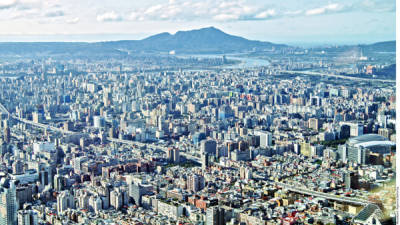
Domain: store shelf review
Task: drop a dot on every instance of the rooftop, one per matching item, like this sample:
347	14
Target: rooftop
367	212
366	138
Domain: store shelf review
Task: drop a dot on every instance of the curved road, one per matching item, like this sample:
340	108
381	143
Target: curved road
196	159
354	201
128	142
336	76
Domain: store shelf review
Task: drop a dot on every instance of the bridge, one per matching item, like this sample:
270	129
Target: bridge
349	200
336	76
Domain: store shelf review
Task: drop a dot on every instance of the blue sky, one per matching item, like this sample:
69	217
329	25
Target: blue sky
288	21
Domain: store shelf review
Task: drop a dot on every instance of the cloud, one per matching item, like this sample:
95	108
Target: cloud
73	20
109	17
369	6
30	9
240	10
154	9
293	13
331	8
188	10
218	10
225	17
266	14
22	4
376	5
5	4
56	13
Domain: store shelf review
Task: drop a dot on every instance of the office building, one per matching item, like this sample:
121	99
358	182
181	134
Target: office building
215	216
314	123
8	202
27	217
209	147
265	138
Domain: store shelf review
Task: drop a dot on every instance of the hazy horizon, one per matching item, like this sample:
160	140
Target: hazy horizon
291	21
91	38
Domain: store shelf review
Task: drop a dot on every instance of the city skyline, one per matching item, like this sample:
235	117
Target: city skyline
333	22
198	112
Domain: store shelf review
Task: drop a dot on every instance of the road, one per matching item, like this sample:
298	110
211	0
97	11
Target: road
115	140
304	191
3	109
349	200
44	126
336	76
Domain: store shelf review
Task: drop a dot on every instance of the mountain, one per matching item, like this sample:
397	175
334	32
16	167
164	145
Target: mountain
205	40
386	46
202	41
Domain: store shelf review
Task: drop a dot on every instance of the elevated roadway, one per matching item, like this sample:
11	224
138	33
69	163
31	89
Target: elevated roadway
115	140
349	200
336	76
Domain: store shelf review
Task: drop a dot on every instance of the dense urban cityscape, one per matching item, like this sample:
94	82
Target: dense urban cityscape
198	112
308	138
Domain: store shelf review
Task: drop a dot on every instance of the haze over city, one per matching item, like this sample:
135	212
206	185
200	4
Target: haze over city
195	112
331	22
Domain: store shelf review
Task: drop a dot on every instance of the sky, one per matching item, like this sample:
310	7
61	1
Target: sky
287	21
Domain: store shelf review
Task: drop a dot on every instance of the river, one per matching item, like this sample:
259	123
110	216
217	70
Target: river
245	62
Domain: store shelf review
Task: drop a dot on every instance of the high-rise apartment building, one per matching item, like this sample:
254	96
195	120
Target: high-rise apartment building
65	201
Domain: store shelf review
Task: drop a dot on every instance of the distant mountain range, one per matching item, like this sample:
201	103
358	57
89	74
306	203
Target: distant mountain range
205	40
386	46
202	41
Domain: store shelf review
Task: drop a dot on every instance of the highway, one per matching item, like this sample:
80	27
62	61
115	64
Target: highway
44	126
336	76
3	109
337	198
299	190
115	140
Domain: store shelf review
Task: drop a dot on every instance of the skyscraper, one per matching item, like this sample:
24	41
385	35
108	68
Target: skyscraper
65	201
313	123
215	216
116	199
136	191
177	158
351	180
173	155
204	161
265	138
195	183
27	217
208	146
358	154
7	135
58	182
8	202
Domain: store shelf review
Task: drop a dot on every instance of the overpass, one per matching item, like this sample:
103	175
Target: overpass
349	200
3	109
115	140
336	76
292	188
44	126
